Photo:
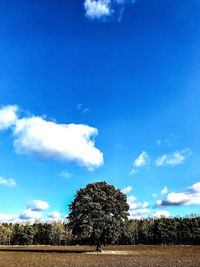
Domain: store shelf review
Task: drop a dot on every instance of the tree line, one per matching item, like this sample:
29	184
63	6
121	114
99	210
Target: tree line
165	231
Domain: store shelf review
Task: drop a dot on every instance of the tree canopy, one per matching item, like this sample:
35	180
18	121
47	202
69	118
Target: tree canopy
98	213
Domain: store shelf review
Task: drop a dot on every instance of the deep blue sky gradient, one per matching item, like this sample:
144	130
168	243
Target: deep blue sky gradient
139	78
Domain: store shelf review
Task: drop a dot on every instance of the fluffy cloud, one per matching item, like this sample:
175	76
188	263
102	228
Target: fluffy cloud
7	182
70	142
161	214
126	190
175	158
8	116
29	215
191	196
54	215
33	211
67	142
98	9
137	209
37	205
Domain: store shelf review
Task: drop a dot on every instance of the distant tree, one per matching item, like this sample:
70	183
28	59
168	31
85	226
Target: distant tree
5	233
98	213
18	235
57	233
29	233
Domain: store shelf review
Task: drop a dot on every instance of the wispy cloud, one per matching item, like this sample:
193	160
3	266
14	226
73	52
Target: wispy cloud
175	158
7	182
191	196
101	9
82	108
36	135
170	141
65	174
164	191
142	160
133	171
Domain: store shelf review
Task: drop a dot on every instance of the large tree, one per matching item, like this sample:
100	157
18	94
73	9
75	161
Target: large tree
98	213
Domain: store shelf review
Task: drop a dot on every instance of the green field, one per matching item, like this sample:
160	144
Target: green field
115	256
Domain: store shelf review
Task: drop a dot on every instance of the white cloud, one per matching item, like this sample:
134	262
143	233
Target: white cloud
137	209
131	199
139	205
70	142
27	215
195	188
164	191
133	171
8	218
126	189
161	214
98	9
30	214
141	160
175	158
191	196
67	142
37	205
8	116
7	182
33	212
54	215
138	213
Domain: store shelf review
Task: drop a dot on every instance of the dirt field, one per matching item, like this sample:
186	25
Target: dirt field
113	256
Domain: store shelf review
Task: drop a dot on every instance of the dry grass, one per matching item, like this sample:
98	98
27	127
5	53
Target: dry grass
130	256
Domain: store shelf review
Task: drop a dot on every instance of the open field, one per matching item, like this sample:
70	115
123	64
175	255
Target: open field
113	256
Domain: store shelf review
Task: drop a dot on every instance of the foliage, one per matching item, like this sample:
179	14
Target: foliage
98	213
171	231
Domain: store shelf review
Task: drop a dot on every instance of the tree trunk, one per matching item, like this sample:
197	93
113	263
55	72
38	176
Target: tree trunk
98	248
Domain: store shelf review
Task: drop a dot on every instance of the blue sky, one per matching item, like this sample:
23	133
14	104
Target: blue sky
99	90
